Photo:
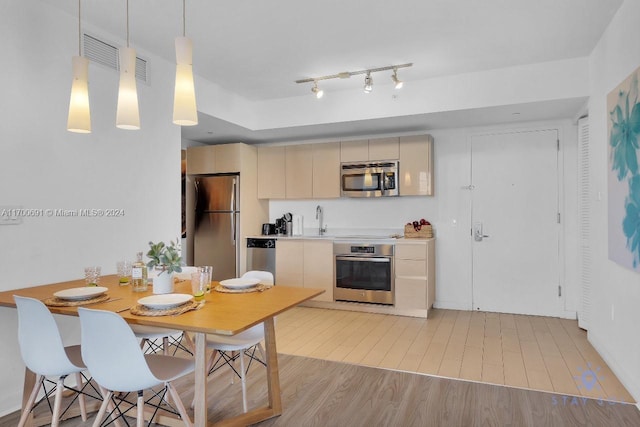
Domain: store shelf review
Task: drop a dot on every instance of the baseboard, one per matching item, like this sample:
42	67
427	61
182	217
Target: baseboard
449	305
366	308
623	376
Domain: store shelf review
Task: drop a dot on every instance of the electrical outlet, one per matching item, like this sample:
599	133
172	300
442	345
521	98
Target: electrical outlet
10	215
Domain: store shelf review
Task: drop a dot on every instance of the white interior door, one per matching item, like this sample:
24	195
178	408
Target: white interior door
515	206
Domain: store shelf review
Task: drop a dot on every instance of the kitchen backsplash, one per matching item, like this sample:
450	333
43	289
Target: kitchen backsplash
390	213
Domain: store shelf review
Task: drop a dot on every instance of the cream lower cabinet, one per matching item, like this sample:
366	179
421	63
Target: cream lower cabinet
306	263
415	274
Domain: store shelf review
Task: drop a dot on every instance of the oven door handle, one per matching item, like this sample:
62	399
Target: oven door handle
366	259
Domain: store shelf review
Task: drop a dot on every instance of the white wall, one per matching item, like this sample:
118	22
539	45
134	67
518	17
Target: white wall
45	167
615	290
449	210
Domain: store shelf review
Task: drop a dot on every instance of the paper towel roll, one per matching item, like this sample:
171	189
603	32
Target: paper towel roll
297	226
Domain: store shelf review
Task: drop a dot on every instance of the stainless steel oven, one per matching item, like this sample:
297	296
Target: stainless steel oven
364	272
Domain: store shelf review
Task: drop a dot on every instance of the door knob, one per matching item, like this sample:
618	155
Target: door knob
478	235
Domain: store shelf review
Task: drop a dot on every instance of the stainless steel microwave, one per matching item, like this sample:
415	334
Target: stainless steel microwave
369	179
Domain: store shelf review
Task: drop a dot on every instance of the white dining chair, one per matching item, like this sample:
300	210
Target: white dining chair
229	348
45	355
154	339
116	362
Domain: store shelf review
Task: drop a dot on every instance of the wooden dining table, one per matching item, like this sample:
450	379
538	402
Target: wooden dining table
222	313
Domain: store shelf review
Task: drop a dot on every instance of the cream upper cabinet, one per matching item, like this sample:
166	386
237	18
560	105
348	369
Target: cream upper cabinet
227	158
354	151
299	171
318	267
222	158
370	149
415	278
416	165
326	170
201	160
271	172
290	263
384	149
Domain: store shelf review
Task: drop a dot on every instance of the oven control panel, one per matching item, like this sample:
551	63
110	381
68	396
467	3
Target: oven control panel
363	250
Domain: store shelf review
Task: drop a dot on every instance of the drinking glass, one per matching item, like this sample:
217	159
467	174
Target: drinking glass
124	272
207	270
92	275
198	285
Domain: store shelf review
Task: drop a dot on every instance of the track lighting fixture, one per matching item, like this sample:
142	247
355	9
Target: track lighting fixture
79	119
396	81
368	80
368	83
315	89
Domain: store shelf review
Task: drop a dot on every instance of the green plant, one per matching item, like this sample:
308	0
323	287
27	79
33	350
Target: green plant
166	257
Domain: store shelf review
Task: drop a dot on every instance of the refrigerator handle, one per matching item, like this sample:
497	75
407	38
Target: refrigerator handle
197	195
233	228
233	196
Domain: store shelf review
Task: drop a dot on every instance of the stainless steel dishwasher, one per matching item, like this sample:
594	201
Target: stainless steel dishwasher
261	255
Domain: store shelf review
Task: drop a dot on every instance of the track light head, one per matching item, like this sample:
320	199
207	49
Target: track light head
396	81
368	83
315	89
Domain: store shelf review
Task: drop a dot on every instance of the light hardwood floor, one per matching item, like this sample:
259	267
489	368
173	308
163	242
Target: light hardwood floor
532	352
522	351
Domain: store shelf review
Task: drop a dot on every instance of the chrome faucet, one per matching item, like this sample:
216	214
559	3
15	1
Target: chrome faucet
321	230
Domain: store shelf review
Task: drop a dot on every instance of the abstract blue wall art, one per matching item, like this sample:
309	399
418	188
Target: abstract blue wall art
623	105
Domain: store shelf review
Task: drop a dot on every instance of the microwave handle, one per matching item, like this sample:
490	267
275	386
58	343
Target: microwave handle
384	181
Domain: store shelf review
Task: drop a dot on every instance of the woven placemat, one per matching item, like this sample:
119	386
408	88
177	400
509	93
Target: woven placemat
59	302
258	288
141	310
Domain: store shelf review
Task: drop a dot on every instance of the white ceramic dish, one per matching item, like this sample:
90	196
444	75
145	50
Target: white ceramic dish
240	283
164	300
85	292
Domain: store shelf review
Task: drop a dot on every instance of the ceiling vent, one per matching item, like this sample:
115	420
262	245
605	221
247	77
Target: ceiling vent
106	54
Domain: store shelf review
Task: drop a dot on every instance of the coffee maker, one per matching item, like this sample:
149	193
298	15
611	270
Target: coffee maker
281	226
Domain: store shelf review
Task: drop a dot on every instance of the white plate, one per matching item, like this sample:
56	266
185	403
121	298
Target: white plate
164	300
240	283
85	292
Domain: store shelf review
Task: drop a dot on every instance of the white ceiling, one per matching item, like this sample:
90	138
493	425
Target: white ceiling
258	48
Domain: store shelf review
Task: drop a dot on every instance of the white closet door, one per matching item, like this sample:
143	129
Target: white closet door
584	222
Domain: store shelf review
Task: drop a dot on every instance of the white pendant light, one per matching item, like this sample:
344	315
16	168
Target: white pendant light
185	112
79	119
127	115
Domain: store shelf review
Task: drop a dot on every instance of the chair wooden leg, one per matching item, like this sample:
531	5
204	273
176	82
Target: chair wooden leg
140	406
261	350
211	361
57	402
32	398
233	361
188	342
81	401
243	379
181	409
106	399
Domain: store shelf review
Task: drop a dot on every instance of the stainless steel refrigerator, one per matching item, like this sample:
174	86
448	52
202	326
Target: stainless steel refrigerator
216	224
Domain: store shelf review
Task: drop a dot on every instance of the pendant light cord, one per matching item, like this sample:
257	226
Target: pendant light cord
184	19
79	30
127	23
